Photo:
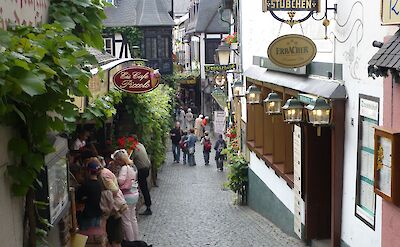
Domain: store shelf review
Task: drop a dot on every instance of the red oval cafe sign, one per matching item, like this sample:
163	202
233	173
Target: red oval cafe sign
137	79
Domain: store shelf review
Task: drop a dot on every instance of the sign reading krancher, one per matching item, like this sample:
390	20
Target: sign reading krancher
137	79
291	7
292	51
390	12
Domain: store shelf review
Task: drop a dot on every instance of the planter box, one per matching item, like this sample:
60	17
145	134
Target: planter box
234	46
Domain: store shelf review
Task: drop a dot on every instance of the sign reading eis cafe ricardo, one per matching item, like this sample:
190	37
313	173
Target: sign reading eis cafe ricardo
292	51
137	79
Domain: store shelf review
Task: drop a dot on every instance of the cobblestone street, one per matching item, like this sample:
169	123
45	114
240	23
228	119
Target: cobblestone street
191	208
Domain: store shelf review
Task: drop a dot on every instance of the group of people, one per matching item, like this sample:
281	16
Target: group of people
185	142
107	191
188	121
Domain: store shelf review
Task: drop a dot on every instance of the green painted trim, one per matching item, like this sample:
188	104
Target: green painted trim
265	202
367	180
343	244
367	149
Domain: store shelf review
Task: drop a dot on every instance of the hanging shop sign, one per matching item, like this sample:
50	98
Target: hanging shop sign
218	68
291	9
292	51
137	79
220	97
390	12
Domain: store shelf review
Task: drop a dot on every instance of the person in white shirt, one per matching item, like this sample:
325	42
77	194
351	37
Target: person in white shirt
80	142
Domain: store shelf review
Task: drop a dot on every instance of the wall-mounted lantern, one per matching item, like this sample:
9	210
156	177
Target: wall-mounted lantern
223	53
319	114
293	111
237	88
272	104
253	95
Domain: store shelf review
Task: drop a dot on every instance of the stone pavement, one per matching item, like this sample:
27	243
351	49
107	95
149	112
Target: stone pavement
191	208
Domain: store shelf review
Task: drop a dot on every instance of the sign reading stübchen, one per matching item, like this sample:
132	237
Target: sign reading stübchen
292	51
137	79
291	5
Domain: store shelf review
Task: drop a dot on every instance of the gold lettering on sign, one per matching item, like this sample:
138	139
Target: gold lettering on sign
288	4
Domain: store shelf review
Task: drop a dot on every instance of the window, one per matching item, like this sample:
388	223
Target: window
211	46
164	48
151	48
108	44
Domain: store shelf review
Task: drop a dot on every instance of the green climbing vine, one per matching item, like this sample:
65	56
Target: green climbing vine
133	35
40	69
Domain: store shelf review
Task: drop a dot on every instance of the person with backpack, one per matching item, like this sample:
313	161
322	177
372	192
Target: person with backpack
191	146
206	142
219	158
183	146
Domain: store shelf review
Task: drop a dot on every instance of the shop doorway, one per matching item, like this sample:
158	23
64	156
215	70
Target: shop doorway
317	182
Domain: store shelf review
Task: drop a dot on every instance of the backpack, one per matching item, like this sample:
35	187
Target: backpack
183	143
207	145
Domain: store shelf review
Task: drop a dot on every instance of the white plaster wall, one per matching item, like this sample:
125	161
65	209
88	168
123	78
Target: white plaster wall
276	184
202	55
363	27
11	208
118	47
354	55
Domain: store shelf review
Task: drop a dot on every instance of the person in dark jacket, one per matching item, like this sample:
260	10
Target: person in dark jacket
90	194
176	135
220	145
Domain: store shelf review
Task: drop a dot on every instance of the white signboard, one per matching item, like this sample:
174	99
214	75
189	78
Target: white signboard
219	122
297	179
369	109
23	12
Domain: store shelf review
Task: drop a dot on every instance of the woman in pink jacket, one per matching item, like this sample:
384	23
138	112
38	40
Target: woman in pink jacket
127	180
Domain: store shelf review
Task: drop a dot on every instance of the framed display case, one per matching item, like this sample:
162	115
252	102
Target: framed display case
386	164
54	179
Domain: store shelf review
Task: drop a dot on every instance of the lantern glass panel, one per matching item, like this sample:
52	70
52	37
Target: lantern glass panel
237	91
319	117
273	107
253	98
293	115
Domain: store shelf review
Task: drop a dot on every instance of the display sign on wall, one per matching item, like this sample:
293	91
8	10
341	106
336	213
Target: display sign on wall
137	79
292	51
218	68
365	196
291	9
390	12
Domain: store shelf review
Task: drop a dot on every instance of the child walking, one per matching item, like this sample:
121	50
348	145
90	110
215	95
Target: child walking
183	146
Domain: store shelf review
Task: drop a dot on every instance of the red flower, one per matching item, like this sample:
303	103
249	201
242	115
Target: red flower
121	142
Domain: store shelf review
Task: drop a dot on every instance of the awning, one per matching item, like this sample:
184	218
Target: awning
329	89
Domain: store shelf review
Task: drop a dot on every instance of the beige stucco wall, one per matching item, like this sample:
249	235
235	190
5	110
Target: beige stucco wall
11	208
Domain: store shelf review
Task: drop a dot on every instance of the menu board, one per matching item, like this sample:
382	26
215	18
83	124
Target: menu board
365	197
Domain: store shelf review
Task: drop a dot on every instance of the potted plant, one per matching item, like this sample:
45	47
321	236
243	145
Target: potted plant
238	173
232	41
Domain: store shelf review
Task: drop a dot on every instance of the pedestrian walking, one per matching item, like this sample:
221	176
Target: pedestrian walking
80	142
183	146
176	135
189	119
207	146
198	126
181	118
191	145
127	180
220	145
143	164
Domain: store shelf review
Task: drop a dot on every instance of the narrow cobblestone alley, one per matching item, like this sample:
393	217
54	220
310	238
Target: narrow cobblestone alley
191	208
